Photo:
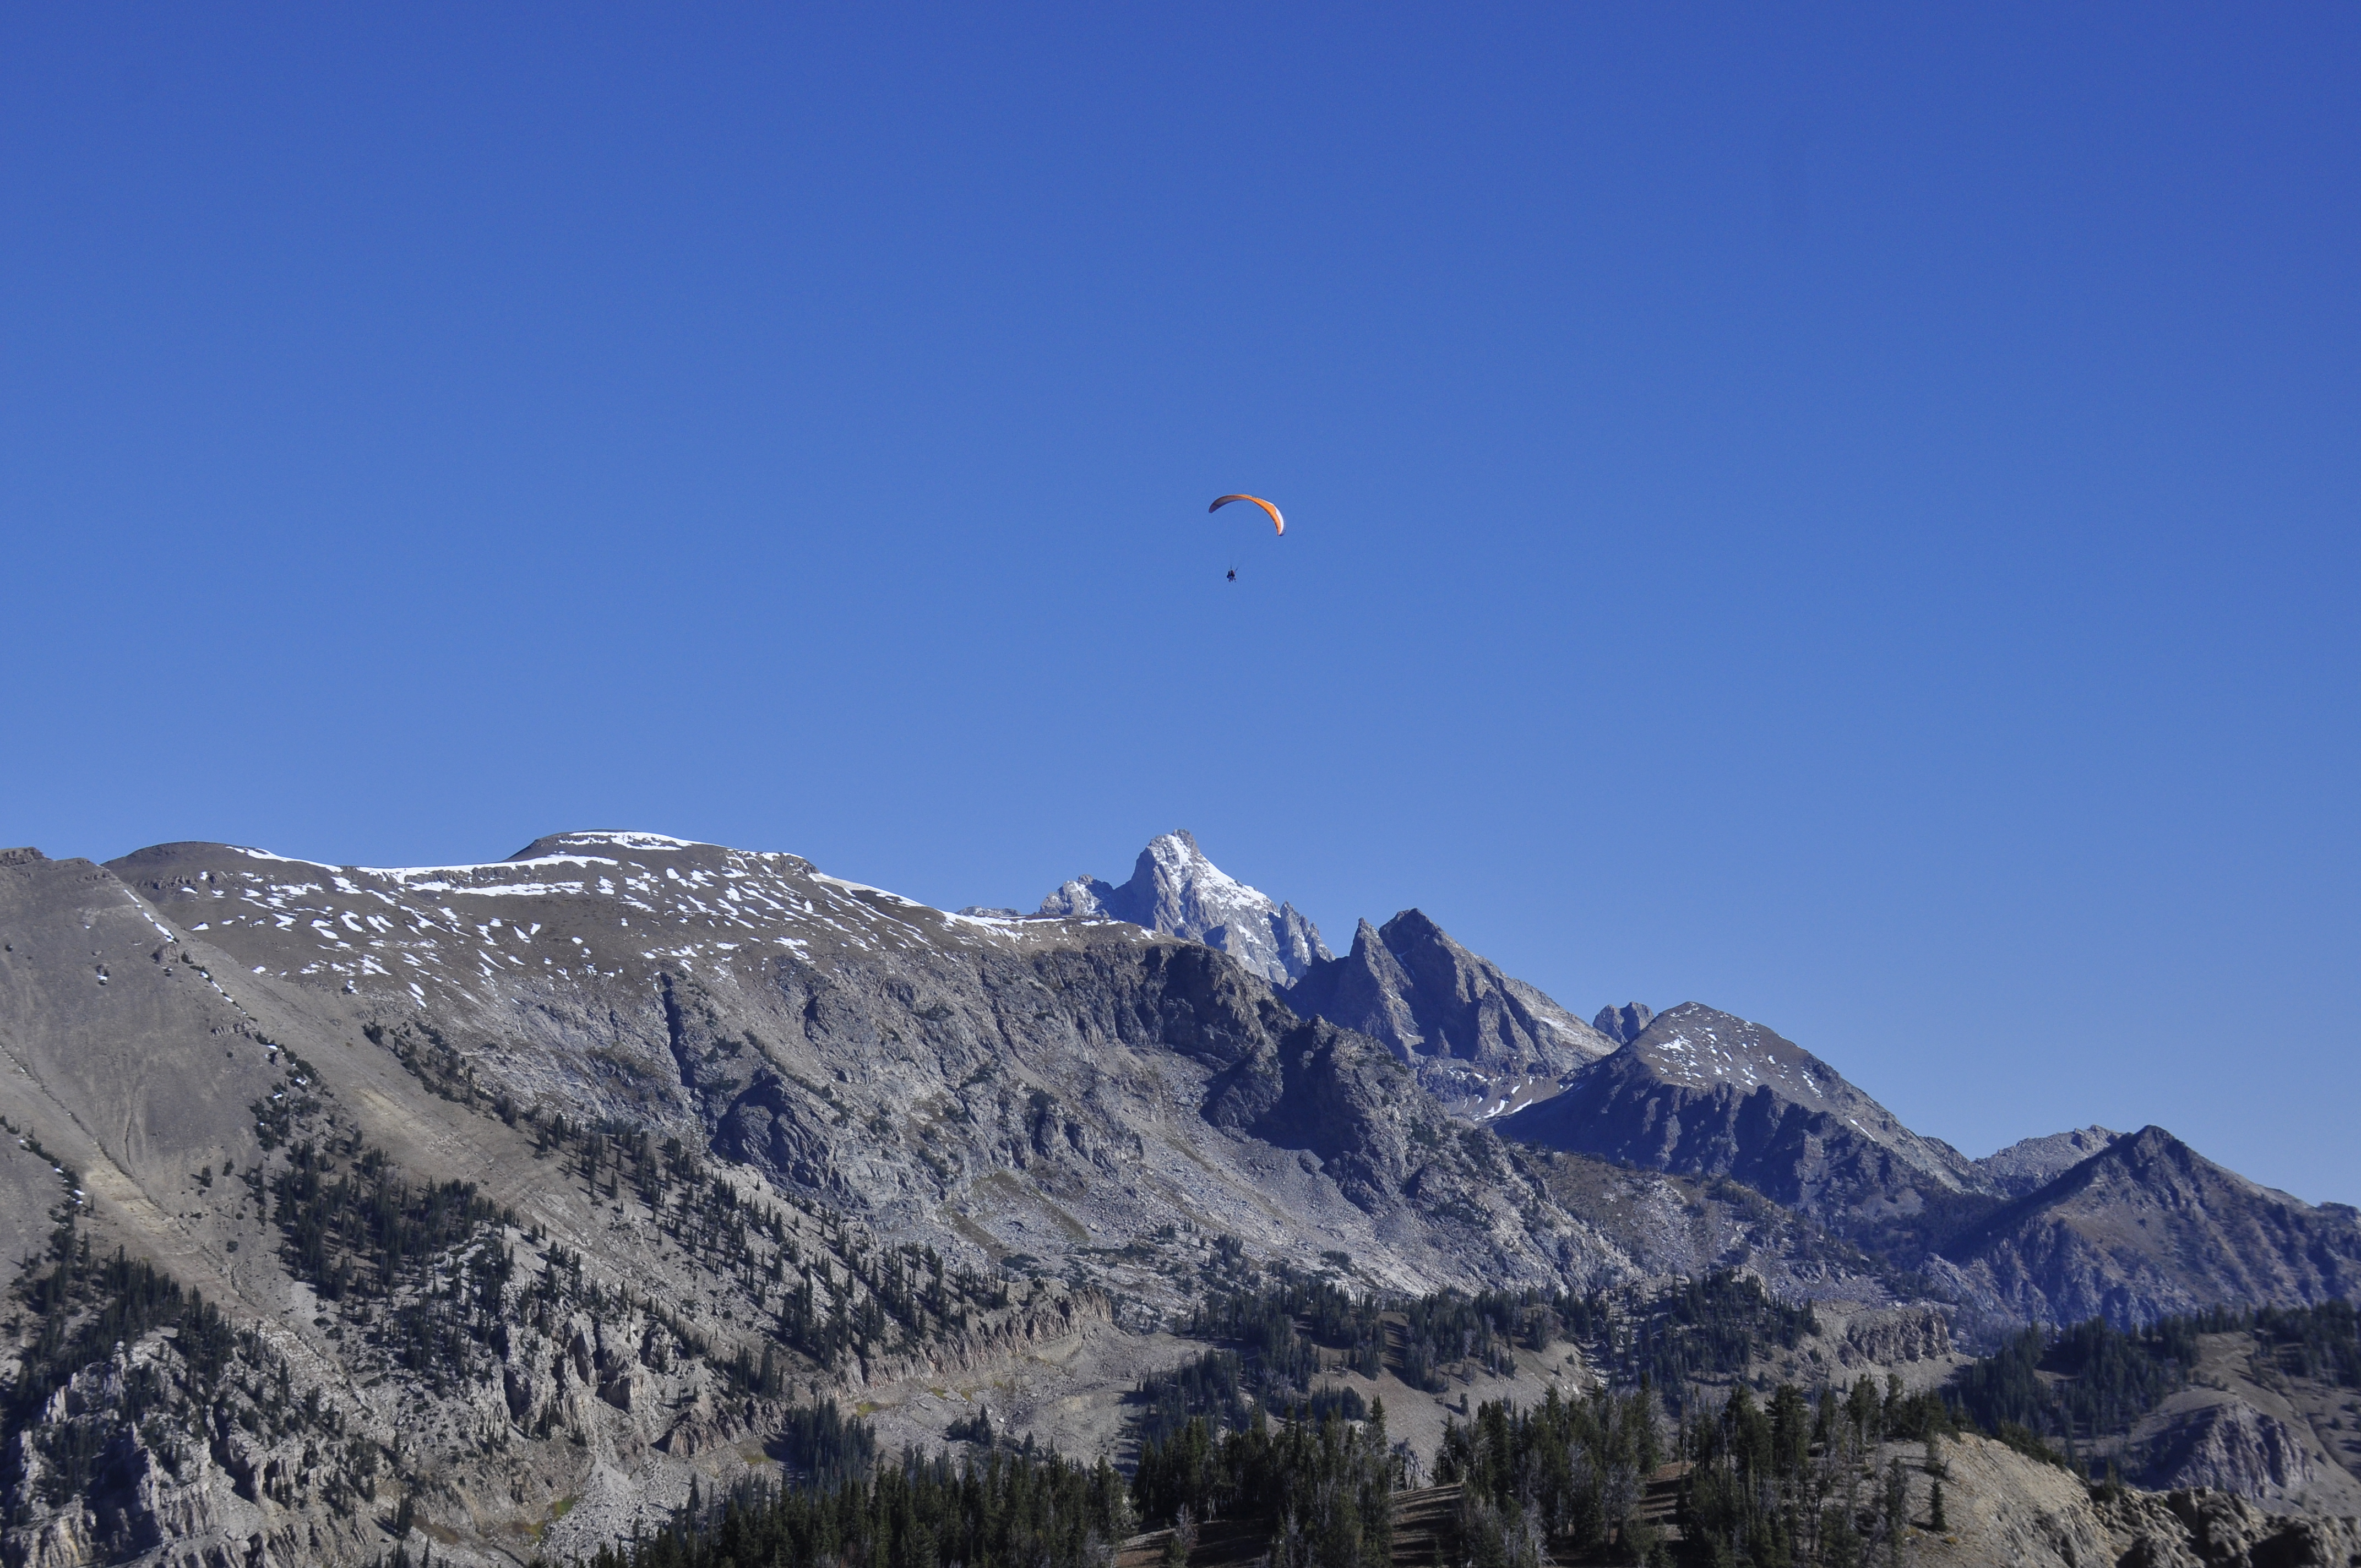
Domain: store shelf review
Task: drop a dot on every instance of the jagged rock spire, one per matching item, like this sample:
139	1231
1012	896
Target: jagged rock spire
1176	889
1622	1024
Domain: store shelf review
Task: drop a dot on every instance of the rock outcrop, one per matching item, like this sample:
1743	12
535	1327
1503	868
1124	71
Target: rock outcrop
2231	1447
1622	1024
2035	1162
1895	1337
1469	1031
2006	1510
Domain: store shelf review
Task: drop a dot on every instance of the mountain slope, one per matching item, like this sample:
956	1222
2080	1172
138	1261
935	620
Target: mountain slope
849	1044
1477	1037
1702	1093
532	1190
1175	890
2147	1227
545	1181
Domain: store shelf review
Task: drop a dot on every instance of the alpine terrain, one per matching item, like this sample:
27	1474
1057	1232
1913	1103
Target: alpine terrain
632	1192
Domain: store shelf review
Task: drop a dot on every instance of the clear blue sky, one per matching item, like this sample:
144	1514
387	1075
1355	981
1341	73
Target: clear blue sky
1846	515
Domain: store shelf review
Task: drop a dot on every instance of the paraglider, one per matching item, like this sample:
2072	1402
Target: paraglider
1277	521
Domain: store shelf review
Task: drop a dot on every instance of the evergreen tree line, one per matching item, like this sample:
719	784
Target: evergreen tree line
2321	1341
213	1382
1706	1329
2101	1379
2067	1386
1322	1490
999	1510
1785	1482
1226	1389
367	1230
1281	1320
1563	1476
1791	1482
411	1263
820	1450
292	1104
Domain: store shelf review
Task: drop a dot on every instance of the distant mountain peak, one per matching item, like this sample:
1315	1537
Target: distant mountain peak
1703	1092
2148	1226
1175	889
1703	1047
1469	1030
1622	1024
2035	1162
599	839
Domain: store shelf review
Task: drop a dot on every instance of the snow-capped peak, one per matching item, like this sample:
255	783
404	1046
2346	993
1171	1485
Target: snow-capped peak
1176	889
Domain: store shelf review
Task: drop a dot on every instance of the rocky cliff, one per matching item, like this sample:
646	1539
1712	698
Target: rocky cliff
1476	1037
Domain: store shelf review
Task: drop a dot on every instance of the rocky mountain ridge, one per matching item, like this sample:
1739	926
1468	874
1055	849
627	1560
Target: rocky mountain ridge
2075	1225
1176	890
2148	1227
1479	1040
2031	1162
629	1102
661	1135
1705	1093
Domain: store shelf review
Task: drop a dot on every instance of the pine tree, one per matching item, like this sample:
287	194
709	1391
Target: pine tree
1897	1511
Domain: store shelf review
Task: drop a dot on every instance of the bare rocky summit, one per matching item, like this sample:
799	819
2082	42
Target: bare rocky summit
2148	1227
1622	1024
1175	890
2035	1162
1704	1093
1477	1038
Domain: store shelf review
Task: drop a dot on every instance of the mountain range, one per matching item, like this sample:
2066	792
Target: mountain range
701	1130
2056	1228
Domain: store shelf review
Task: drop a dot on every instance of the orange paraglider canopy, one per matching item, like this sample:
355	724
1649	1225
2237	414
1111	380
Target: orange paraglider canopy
1277	521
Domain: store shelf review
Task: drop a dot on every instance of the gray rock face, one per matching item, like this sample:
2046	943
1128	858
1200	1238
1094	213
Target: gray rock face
1622	1024
1175	890
1702	1093
1895	1337
2232	1447
2035	1162
847	1043
2148	1227
1085	1110
1468	1029
2200	1527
